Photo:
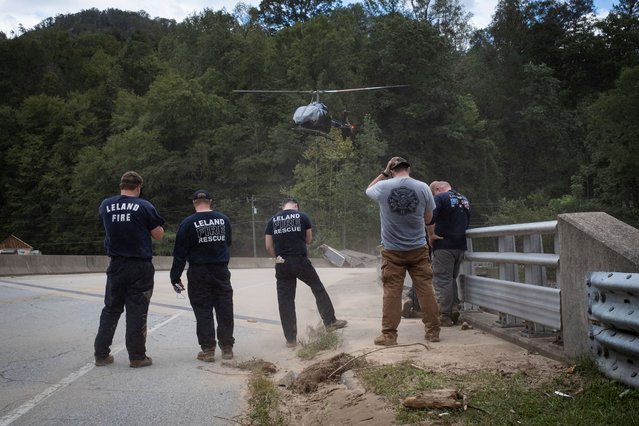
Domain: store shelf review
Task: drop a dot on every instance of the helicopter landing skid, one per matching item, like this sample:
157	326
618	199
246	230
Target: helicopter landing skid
312	132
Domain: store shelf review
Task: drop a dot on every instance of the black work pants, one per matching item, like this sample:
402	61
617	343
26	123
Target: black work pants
209	288
129	286
287	274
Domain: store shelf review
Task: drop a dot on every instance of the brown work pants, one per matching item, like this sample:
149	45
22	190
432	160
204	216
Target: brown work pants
395	264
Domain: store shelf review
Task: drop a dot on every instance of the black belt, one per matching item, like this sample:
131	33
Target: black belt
135	259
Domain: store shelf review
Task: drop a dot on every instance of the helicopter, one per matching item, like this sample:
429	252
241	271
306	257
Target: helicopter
315	118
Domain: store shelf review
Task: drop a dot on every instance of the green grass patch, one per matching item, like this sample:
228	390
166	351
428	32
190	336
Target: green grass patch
264	402
318	340
496	398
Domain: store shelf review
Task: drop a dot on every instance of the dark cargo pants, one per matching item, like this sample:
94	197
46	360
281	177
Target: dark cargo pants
129	286
287	274
210	289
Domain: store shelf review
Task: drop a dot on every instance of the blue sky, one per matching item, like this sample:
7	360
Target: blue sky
30	12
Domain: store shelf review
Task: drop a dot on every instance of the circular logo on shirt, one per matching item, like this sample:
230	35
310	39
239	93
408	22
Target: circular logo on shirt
403	201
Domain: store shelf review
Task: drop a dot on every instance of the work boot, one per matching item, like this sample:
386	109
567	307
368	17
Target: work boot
207	355
386	339
336	325
455	317
407	309
137	363
445	321
291	343
227	352
101	362
432	337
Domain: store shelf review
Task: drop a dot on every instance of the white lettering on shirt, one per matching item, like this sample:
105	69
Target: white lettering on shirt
210	230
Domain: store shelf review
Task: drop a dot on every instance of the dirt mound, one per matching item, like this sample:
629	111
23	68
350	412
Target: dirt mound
330	369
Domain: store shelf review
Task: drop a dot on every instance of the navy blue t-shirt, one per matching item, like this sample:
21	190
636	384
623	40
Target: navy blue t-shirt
288	229
451	217
128	222
203	238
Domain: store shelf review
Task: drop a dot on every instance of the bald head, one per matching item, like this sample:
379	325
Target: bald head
438	186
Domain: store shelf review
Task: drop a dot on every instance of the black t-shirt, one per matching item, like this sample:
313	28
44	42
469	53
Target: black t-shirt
288	229
128	222
451	218
202	238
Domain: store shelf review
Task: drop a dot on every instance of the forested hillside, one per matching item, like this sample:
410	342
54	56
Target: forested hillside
535	115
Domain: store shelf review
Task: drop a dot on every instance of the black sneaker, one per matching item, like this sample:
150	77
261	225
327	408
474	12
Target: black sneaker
291	343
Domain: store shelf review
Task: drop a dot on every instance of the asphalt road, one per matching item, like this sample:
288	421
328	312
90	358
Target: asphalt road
48	324
47	327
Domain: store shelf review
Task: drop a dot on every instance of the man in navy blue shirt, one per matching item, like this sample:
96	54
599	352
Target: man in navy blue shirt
203	240
129	222
287	235
447	237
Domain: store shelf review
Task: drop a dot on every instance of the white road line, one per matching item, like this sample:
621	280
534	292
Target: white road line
33	402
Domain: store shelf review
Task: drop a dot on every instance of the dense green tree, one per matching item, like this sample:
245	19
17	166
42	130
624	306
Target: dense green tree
620	34
277	14
532	114
613	131
330	183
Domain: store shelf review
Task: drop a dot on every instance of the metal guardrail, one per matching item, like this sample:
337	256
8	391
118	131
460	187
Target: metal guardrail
522	294
533	303
613	310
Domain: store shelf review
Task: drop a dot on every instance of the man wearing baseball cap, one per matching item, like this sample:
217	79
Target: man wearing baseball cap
406	206
203	239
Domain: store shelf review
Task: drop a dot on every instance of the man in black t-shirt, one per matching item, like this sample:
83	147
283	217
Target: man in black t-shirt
203	240
286	236
129	222
447	237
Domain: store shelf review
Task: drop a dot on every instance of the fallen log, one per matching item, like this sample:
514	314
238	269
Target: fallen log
438	398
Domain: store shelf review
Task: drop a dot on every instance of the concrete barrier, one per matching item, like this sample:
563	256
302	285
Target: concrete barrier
12	264
590	242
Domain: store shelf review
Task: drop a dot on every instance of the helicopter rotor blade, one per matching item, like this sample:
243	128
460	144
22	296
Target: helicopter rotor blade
274	91
315	92
361	89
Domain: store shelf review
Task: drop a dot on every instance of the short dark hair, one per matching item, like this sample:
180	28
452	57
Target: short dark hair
130	180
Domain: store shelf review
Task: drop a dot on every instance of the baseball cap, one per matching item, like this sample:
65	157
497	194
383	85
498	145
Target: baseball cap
399	161
201	194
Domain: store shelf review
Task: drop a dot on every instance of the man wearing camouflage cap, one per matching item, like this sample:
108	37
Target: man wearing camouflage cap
406	206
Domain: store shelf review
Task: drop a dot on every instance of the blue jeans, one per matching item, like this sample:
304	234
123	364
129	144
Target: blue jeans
129	286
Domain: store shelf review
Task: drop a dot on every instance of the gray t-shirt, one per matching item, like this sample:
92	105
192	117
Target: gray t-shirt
402	203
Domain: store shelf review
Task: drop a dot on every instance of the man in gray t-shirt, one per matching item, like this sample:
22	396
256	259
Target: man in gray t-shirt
406	206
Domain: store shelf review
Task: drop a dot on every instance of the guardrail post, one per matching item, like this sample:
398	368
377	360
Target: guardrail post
508	272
